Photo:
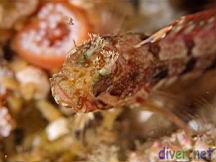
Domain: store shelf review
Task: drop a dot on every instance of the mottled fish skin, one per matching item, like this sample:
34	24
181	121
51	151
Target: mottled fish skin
112	71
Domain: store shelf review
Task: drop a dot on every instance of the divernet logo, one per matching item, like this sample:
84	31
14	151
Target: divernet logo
166	153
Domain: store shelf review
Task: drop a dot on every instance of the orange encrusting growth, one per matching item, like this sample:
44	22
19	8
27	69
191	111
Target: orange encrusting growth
46	41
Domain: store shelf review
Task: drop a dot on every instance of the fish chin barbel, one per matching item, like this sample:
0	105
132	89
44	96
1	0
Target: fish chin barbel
120	70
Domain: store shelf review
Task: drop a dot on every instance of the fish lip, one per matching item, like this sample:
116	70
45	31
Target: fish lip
57	93
65	100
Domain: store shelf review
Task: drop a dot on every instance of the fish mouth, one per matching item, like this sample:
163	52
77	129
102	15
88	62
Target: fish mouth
67	94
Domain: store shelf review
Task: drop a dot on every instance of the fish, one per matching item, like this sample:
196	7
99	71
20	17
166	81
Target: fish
124	69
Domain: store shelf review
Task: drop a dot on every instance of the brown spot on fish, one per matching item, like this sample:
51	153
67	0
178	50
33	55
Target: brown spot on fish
189	66
212	65
161	74
154	49
101	86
